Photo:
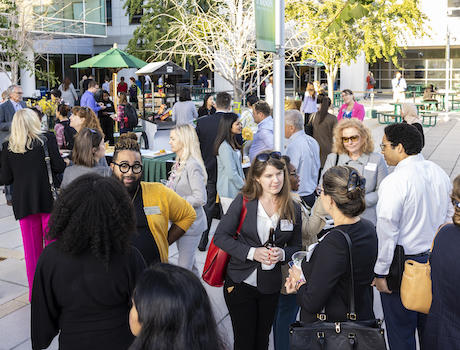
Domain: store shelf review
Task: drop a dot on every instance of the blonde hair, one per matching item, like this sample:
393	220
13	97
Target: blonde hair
190	147
367	145
25	129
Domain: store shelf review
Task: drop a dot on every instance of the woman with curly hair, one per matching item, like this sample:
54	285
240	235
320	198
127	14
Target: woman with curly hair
353	146
172	311
84	280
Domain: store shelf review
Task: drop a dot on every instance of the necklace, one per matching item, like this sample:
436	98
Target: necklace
135	194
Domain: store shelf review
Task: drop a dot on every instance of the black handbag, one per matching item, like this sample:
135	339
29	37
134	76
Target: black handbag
351	334
395	274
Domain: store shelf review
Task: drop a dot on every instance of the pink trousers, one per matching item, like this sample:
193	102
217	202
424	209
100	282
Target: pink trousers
33	229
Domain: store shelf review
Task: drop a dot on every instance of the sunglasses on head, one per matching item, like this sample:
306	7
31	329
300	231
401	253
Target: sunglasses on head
263	157
353	138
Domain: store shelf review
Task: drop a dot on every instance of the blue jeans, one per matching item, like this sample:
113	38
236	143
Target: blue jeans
285	315
401	323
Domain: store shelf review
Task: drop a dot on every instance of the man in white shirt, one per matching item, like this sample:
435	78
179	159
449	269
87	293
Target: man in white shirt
399	86
413	202
269	92
303	151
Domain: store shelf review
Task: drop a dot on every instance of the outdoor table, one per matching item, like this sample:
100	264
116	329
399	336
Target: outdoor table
155	168
419	106
430	105
397	105
429	119
452	95
388	118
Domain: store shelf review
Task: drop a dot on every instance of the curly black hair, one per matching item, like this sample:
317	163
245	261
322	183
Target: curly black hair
93	215
405	134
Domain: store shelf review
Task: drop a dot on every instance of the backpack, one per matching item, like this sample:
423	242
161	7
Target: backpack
372	81
131	114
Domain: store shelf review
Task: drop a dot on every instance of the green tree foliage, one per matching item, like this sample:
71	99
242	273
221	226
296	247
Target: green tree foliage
155	23
339	31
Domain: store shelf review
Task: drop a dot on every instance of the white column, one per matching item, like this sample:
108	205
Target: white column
28	77
278	78
353	75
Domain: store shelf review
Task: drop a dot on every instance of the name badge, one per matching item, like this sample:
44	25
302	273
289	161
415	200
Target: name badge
286	225
371	166
152	210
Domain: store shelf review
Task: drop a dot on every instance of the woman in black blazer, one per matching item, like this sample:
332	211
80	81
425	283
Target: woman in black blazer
253	279
324	288
23	162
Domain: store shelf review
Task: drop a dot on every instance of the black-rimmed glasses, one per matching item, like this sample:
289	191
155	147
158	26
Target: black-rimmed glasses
124	167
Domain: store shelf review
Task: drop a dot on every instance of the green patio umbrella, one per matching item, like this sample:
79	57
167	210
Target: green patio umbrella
113	58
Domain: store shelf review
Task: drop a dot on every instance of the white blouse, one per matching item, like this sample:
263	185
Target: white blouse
264	224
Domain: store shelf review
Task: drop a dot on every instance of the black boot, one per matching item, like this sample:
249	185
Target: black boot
203	241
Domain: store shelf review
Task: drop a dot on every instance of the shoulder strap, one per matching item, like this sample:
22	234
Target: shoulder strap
336	159
242	216
352	313
48	165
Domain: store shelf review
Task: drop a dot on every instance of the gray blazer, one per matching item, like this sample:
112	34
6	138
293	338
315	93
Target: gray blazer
6	117
74	171
230	176
190	184
373	168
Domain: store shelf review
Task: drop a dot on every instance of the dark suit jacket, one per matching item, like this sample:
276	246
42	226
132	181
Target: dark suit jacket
328	274
206	129
239	267
6	117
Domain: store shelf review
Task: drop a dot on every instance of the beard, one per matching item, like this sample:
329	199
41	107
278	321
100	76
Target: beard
130	186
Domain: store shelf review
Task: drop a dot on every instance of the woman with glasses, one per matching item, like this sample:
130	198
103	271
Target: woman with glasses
353	146
270	233
87	151
323	283
230	176
350	108
188	179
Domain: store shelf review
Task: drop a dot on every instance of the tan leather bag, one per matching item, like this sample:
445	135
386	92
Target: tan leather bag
416	285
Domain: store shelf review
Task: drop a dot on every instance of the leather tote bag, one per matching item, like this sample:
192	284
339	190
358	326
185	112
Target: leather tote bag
416	293
352	334
217	259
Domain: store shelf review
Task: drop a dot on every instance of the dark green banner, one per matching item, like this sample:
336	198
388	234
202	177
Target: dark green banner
265	25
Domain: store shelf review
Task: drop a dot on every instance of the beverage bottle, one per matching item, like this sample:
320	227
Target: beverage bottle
269	244
271	239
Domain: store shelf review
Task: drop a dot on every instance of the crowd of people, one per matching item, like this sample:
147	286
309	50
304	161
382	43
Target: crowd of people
96	237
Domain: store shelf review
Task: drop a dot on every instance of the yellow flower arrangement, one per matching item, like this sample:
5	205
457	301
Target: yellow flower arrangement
48	107
247	134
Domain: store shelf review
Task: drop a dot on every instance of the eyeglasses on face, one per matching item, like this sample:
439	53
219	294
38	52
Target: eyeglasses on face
353	138
383	145
124	167
263	157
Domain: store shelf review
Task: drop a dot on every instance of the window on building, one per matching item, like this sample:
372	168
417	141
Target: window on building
108	6
136	17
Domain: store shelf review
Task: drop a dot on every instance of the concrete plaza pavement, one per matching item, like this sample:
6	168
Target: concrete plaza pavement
442	146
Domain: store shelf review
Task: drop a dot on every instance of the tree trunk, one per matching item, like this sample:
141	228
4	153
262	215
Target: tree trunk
237	92
331	73
14	73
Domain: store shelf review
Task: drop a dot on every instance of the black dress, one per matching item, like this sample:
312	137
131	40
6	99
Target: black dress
442	328
86	302
32	192
328	274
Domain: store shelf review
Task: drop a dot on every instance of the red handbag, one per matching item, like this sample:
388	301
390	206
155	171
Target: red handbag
217	260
